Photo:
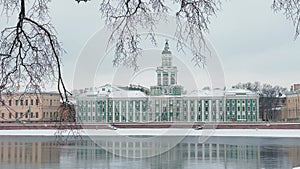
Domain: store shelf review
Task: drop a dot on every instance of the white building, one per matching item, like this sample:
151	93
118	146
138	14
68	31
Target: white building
166	102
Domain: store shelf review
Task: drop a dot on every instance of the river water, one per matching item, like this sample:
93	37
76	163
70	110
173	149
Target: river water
149	152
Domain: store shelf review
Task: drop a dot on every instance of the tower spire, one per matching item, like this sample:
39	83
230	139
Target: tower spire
166	49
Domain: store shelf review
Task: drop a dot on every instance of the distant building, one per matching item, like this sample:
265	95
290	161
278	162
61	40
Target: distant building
166	102
293	105
29	107
295	87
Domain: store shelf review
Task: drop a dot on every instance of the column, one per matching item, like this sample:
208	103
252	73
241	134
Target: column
195	109
161	78
209	110
217	110
113	111
141	111
202	111
106	111
120	111
169	78
127	109
133	113
188	110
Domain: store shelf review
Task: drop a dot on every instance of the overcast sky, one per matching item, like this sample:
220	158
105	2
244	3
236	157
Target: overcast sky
251	41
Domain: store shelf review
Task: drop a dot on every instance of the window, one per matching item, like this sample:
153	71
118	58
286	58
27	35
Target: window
26	102
36	102
21	102
9	116
21	115
31	102
172	78
17	102
2	115
9	102
31	115
44	114
36	115
243	108
50	102
16	115
253	108
26	115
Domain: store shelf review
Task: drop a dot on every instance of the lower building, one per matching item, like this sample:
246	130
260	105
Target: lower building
292	106
29	107
111	104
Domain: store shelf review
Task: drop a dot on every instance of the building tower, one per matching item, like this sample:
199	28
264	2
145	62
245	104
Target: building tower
166	76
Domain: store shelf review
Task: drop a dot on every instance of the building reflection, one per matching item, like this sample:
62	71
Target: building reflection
112	151
28	152
156	152
148	152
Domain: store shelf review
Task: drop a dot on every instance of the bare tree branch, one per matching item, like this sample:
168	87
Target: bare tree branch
30	51
291	9
124	17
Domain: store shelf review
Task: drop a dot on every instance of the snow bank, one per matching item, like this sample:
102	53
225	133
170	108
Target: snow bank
290	133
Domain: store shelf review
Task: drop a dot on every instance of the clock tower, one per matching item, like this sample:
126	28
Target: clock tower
166	76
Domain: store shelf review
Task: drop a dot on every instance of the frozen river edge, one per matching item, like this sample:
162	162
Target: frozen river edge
278	133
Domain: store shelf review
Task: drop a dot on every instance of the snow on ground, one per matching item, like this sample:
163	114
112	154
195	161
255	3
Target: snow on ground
162	132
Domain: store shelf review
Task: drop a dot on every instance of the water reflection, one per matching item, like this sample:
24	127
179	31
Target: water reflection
125	152
24	152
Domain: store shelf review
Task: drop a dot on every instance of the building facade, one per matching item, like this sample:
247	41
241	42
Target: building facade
166	102
292	106
29	107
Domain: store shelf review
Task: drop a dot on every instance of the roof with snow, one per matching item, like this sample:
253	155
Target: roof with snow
108	91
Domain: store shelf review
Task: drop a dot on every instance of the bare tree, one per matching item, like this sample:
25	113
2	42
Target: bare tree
30	54
30	51
291	9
